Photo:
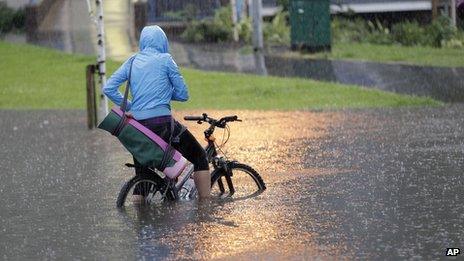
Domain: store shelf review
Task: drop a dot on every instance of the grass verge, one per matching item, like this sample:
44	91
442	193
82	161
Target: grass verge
39	78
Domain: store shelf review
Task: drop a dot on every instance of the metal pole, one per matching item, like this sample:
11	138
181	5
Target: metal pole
233	5
453	12
101	58
257	37
256	14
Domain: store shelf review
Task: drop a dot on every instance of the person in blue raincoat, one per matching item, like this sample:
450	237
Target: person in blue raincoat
155	82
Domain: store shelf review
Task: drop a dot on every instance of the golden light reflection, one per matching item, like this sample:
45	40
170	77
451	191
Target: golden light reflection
273	143
270	141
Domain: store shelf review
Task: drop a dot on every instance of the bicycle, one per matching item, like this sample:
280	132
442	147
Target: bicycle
155	187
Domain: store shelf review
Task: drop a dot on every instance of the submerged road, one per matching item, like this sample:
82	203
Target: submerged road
376	184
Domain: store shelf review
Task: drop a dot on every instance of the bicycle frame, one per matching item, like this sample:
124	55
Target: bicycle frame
219	165
173	189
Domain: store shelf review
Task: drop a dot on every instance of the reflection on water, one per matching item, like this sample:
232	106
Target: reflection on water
369	184
270	140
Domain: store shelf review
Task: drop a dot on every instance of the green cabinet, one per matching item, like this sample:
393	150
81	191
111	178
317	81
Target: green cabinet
310	24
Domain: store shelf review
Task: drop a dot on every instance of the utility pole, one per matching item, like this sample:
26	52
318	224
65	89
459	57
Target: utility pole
233	5
434	9
257	37
101	54
257	20
453	12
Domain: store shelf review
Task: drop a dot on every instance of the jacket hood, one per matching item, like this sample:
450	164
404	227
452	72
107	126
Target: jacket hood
153	38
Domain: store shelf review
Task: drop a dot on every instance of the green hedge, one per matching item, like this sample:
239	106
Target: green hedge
11	19
439	33
220	29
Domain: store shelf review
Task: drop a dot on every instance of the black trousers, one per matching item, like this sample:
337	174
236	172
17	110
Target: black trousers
187	145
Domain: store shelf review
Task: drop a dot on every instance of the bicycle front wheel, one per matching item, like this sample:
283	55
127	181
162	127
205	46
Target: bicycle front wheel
241	181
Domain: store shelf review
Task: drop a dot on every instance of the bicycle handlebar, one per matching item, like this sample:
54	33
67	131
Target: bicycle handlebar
194	118
218	123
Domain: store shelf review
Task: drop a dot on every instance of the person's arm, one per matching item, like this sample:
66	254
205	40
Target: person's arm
111	89
180	92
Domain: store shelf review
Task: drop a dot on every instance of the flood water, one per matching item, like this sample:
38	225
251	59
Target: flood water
376	184
366	184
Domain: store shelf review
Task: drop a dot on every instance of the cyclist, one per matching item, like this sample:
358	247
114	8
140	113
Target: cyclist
155	82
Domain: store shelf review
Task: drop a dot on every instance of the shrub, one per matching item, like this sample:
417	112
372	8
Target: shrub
206	31
188	13
193	33
379	34
6	18
439	32
277	31
219	29
349	30
10	19
223	16
245	30
408	33
19	19
456	42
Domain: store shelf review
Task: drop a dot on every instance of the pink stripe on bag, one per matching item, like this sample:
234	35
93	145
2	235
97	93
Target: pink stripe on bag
177	156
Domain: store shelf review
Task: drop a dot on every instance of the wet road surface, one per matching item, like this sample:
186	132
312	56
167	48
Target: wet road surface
377	184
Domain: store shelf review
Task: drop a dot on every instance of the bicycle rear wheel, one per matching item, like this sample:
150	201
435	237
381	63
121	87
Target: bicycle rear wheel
244	182
140	191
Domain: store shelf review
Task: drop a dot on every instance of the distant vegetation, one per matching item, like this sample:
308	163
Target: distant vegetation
440	33
11	19
220	28
40	78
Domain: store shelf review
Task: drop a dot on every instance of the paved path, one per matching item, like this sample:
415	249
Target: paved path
375	184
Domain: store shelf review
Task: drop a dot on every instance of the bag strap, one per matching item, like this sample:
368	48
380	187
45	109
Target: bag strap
169	149
123	120
126	92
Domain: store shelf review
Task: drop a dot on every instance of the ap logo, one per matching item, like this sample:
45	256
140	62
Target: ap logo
452	251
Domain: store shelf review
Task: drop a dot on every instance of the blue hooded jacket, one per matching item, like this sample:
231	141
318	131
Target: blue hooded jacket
155	78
